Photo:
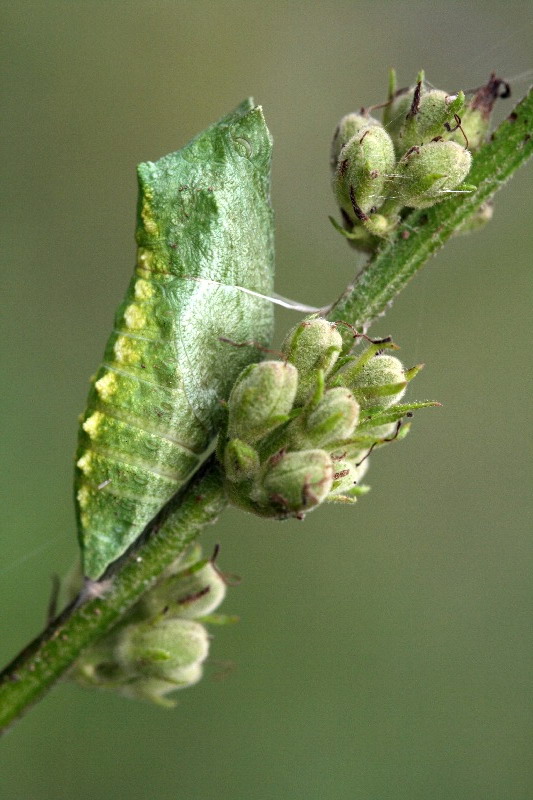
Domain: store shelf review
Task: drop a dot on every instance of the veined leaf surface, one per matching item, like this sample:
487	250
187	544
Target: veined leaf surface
204	233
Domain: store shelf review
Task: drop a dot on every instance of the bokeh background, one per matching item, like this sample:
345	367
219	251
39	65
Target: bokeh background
384	652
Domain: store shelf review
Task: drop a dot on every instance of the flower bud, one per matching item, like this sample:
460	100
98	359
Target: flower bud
155	689
365	162
379	382
312	345
427	119
192	593
294	483
348	127
347	475
418	114
159	649
333	419
425	175
241	461
261	399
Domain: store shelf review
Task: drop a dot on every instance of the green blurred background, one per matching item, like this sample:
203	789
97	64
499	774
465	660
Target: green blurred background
383	652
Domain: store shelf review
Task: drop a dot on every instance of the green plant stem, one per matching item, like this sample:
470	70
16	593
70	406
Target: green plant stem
422	233
44	660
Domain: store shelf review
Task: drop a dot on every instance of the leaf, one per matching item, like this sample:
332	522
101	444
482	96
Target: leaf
204	235
393	414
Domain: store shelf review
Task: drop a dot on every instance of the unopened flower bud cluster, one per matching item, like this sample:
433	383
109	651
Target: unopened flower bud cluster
161	644
415	159
299	430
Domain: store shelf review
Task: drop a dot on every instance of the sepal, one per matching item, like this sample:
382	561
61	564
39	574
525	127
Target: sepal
241	461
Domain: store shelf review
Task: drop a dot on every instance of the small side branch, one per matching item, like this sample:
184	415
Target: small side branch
425	231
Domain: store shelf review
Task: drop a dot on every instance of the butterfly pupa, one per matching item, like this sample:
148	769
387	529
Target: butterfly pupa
204	226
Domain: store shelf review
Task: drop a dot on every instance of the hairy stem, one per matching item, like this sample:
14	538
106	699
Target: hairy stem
422	233
44	660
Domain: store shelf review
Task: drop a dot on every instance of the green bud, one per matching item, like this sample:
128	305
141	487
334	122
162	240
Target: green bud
418	114
162	648
261	399
378	382
365	163
155	647
347	474
425	175
241	461
314	344
348	127
333	419
428	119
192	593
155	690
297	482
291	484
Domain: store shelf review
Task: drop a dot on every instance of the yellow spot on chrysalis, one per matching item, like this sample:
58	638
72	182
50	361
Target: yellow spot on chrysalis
106	386
134	317
84	463
92	423
84	496
150	225
144	258
143	290
85	520
126	351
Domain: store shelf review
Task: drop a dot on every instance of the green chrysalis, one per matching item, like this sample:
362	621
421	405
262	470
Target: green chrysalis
204	233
